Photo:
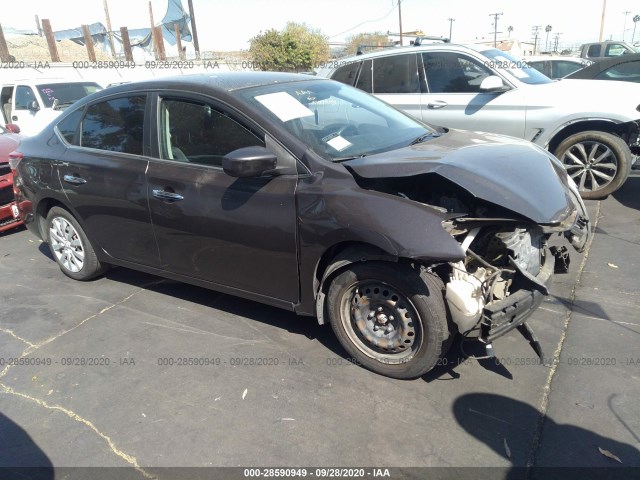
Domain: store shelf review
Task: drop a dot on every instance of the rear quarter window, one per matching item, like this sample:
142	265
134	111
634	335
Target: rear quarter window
347	74
68	127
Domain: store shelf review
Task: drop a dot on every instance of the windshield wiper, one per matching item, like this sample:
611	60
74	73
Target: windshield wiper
345	159
424	137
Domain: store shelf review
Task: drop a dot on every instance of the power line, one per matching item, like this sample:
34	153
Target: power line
366	21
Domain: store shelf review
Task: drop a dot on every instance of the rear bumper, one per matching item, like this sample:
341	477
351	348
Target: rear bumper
504	315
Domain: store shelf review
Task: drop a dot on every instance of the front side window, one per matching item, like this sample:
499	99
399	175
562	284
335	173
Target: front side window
629	71
396	74
24	96
115	125
451	72
515	67
194	132
615	50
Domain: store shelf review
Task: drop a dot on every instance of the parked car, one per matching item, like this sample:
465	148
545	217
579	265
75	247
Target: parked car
9	215
607	49
590	126
309	195
557	67
32	104
624	69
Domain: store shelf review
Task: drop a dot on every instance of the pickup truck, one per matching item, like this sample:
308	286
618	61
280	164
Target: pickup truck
599	50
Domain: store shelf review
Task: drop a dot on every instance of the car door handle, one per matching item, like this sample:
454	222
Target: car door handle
75	180
167	196
437	104
14	118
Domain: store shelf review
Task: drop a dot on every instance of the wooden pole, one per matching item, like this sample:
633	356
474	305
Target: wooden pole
178	40
195	31
153	32
400	20
51	41
109	36
128	54
38	25
88	42
4	50
604	9
160	48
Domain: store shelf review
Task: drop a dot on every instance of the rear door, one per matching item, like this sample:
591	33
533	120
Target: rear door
237	232
102	173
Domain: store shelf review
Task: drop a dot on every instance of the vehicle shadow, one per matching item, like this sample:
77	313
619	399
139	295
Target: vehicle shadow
629	194
558	451
12	231
20	457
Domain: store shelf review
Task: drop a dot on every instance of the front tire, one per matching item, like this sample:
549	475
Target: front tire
389	318
70	246
598	162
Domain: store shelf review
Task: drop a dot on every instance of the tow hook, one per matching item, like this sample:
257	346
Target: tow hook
562	259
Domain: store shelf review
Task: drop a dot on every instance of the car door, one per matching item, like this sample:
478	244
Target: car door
103	175
454	98
396	80
236	232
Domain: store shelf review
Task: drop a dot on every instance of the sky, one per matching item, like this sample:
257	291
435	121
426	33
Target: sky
230	24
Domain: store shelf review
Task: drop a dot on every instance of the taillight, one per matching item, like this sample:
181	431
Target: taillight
14	160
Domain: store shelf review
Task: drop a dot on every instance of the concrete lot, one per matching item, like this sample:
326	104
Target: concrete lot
309	406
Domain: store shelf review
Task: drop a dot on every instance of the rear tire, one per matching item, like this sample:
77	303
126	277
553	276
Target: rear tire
598	162
70	247
389	318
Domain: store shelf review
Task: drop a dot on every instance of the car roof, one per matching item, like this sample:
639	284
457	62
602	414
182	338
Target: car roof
47	80
544	58
420	48
603	64
220	81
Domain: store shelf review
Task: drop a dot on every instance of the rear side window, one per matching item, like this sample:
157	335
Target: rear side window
115	125
594	51
562	68
396	74
68	127
347	74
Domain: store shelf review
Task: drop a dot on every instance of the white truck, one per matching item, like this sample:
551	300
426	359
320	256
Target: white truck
33	104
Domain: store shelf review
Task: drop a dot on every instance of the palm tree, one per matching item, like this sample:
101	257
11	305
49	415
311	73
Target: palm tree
509	29
636	19
547	29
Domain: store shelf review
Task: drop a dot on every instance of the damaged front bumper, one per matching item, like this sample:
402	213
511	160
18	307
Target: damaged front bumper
502	316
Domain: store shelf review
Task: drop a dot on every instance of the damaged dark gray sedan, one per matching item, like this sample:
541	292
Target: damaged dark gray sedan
308	195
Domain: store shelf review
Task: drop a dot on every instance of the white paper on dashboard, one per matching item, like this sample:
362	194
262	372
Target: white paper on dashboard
339	143
284	106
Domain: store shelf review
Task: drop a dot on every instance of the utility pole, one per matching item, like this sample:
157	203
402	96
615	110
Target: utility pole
547	29
624	26
109	36
534	32
451	20
556	41
399	19
636	19
495	27
604	9
195	31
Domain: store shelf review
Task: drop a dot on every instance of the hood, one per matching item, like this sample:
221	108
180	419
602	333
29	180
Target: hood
619	101
505	171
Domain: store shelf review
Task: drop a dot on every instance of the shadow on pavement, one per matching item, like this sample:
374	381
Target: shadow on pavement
20	457
629	194
564	451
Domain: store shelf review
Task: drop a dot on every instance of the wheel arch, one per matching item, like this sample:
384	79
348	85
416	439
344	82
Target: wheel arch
601	125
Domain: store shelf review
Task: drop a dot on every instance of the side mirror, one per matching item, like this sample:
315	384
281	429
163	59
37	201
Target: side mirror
33	106
492	83
12	127
248	162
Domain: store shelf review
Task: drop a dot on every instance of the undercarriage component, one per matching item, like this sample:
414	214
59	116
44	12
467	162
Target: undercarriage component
562	259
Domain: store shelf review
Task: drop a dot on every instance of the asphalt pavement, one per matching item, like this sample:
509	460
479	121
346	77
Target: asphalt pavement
131	370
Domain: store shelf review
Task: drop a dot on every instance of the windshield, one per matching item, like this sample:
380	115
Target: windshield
516	67
66	93
336	121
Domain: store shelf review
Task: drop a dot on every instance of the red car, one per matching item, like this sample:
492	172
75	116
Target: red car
9	141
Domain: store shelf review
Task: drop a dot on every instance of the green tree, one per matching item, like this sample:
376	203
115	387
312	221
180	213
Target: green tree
369	39
297	48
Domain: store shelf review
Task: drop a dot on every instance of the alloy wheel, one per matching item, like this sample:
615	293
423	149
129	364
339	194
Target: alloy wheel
592	165
66	245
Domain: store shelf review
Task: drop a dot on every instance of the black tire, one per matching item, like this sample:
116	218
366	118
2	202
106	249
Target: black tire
577	148
413	306
71	246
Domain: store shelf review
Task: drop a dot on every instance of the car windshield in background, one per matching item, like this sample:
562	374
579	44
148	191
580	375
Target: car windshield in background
337	121
516	67
66	93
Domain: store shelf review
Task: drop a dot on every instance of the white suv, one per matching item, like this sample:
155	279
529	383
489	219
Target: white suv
33	104
591	126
